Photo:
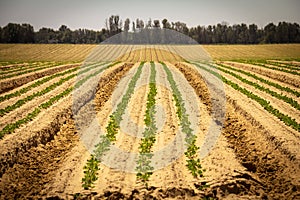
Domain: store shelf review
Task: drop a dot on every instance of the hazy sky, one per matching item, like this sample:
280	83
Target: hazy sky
91	14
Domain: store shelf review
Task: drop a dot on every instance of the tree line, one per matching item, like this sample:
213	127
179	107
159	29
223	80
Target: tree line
222	33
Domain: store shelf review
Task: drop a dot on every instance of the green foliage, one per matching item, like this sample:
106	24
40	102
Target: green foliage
264	64
44	80
265	104
144	168
287	89
36	84
30	70
284	65
90	173
193	163
17	68
10	128
116	117
112	129
286	99
21	102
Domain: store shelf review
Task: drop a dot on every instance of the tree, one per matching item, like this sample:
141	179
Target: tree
156	24
126	25
270	33
45	35
253	34
133	27
64	35
180	27
16	33
166	24
149	23
114	25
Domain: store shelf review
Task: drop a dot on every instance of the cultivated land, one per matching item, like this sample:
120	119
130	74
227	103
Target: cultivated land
145	98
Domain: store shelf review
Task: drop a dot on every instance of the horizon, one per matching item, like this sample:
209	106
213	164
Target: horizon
92	14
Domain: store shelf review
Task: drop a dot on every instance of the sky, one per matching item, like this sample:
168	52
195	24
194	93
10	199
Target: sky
91	14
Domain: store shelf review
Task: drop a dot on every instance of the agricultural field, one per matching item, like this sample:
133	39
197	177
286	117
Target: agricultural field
149	121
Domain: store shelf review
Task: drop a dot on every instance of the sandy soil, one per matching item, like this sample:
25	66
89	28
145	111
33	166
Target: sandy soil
11	83
282	106
30	92
280	76
28	137
290	95
255	157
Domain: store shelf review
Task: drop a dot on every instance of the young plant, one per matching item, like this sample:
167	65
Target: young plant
90	173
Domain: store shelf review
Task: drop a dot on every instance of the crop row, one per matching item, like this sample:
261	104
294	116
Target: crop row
17	67
26	66
286	99
48	89
287	89
285	65
144	168
40	82
5	63
193	162
30	70
111	132
265	104
273	68
10	128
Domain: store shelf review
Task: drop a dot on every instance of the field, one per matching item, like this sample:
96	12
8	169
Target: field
150	121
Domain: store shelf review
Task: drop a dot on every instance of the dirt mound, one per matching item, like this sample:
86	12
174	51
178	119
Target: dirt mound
270	170
26	168
14	82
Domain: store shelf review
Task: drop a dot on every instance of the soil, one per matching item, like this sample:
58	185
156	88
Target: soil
290	79
14	82
256	155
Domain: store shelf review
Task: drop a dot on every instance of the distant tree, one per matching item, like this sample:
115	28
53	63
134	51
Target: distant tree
270	33
126	25
180	27
142	25
1	35
284	32
27	34
16	33
45	35
156	24
64	35
149	23
294	33
166	24
133	27
139	24
253	34
114	25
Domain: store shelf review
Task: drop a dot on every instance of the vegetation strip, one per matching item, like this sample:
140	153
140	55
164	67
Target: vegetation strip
273	68
10	128
30	70
265	104
286	99
32	65
287	89
193	162
39	82
278	64
36	84
90	174
17	68
144	168
21	102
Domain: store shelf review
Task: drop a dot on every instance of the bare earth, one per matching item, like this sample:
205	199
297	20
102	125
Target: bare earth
256	155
